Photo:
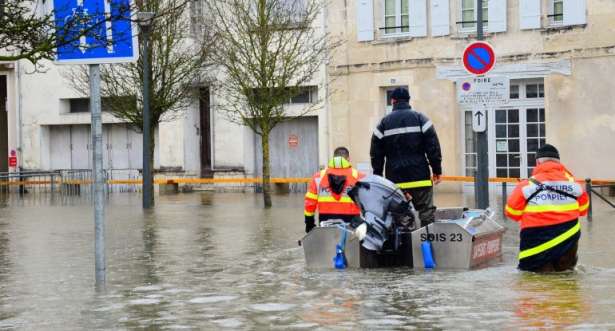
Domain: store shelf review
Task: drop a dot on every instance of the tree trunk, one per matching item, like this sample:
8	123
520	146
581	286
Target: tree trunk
266	170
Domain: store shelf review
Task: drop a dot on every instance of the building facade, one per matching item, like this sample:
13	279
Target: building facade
558	54
47	124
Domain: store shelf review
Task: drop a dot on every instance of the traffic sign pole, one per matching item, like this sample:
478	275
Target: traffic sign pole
97	169
481	179
115	42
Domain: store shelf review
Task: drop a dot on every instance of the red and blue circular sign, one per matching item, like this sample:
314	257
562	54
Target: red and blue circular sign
479	58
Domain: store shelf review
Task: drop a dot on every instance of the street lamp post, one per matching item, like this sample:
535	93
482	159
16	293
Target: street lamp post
145	21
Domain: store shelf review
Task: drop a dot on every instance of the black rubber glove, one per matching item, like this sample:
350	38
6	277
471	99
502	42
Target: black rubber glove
309	223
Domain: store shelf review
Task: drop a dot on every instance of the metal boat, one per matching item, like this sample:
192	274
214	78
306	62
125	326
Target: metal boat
460	238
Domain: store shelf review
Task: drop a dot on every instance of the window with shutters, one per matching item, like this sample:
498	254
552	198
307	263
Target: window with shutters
396	17
468	15
556	12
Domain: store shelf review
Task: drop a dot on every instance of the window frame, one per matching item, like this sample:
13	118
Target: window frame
473	28
309	90
551	13
398	20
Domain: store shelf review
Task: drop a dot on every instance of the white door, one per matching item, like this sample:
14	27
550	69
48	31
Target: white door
59	143
135	149
118	147
80	147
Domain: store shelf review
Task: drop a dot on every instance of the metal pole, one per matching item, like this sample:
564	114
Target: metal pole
588	189
97	169
504	197
481	182
148	188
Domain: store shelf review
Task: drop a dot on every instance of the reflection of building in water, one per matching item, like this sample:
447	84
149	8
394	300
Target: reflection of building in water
337	308
550	301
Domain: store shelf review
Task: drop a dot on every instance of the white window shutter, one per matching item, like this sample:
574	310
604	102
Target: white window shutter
497	15
529	14
365	20
418	18
575	12
440	20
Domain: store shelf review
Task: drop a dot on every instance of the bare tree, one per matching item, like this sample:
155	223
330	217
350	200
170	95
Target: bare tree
268	49
178	64
28	29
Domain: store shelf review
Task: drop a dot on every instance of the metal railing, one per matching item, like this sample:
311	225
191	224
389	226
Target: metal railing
591	189
68	183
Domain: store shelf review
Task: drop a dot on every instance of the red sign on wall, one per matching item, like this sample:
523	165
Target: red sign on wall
12	161
293	141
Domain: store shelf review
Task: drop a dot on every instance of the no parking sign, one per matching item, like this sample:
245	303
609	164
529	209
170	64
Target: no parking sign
479	58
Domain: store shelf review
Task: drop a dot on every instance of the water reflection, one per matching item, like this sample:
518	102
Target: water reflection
219	261
553	301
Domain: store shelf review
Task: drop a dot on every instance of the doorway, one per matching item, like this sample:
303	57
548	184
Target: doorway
205	123
516	132
293	150
4	129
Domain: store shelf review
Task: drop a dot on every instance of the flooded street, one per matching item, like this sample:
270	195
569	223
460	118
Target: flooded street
207	261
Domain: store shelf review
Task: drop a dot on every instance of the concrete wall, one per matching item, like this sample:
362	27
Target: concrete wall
580	118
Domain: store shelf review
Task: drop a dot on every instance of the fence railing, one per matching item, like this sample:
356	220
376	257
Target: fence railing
78	182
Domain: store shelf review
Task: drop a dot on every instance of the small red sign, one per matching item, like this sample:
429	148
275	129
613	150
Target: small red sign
293	141
479	58
12	161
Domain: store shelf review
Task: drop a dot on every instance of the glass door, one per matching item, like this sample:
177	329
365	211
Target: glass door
508	155
536	136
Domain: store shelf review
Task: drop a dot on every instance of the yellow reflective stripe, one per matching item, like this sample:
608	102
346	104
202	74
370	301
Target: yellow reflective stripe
339	162
547	208
307	213
420	183
332	199
355	173
551	243
513	211
570	178
584	207
310	195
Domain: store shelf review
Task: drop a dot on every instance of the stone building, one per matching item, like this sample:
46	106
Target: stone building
558	54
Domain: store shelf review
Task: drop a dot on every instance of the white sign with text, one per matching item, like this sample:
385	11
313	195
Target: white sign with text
483	91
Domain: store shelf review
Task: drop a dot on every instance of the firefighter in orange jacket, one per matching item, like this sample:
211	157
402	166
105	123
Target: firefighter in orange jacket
548	206
328	191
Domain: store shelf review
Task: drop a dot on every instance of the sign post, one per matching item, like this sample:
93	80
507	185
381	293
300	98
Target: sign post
481	179
479	59
94	32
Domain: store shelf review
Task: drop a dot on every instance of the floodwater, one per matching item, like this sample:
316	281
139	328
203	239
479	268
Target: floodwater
206	261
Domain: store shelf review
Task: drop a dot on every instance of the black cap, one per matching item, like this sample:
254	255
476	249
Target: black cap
547	151
400	93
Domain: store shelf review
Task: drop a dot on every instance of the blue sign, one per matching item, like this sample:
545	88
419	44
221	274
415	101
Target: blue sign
94	31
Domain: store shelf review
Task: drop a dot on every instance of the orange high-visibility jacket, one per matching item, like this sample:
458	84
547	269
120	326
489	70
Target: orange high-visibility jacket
319	195
547	207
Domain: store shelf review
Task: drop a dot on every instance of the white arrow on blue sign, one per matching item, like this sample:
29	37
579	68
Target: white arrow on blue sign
110	33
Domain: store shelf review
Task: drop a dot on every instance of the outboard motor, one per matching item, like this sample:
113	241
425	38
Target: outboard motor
388	218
